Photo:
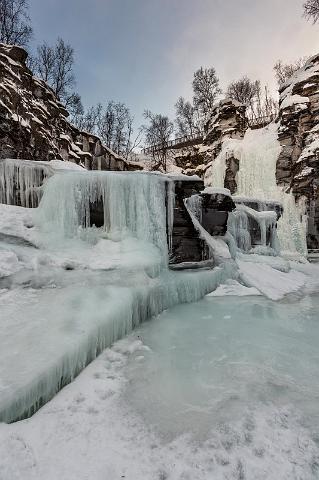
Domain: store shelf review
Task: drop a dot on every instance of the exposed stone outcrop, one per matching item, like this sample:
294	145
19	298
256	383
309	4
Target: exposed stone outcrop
298	163
34	125
227	120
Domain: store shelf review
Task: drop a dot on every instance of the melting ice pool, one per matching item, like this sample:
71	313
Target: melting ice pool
222	360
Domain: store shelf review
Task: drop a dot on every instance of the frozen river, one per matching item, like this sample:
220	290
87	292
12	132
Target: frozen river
223	388
212	360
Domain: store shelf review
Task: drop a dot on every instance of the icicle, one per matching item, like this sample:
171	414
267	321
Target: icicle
21	182
258	153
79	331
170	199
133	203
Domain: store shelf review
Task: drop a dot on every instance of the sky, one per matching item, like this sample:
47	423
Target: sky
144	52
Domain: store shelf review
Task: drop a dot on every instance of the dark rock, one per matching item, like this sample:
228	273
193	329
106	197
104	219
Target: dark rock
298	162
34	125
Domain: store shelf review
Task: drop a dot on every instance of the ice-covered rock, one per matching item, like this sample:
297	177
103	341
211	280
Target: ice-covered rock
298	165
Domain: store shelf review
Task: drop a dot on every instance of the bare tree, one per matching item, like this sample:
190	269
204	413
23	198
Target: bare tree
158	133
88	121
311	10
186	119
266	105
43	64
15	27
63	79
74	106
259	103
283	71
54	64
247	92
206	90
243	90
113	123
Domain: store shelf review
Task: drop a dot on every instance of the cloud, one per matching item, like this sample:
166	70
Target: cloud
144	52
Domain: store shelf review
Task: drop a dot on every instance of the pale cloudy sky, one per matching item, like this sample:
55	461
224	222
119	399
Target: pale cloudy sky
144	52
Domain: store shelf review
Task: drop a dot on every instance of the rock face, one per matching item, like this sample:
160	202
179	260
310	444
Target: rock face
298	162
187	246
34	125
227	120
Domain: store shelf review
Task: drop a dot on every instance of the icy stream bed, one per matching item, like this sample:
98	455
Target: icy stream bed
226	388
214	361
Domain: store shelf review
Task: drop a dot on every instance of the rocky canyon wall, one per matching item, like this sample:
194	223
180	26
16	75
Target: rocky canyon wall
34	124
298	162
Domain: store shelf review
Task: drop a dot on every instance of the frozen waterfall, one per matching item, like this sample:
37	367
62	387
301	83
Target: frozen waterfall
133	204
21	181
257	153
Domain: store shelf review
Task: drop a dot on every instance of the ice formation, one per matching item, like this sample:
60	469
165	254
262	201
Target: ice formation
133	204
62	313
71	311
52	334
21	181
256	178
242	222
218	249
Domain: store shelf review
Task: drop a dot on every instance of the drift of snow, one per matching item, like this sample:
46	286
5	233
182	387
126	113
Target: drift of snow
272	283
233	288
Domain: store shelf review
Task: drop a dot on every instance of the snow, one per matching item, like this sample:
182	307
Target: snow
239	385
68	291
305	74
218	191
233	288
258	152
9	263
305	172
272	283
309	150
182	177
63	165
293	100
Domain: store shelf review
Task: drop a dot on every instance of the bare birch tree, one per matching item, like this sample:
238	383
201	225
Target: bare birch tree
205	90
186	118
157	134
283	71
311	10
15	25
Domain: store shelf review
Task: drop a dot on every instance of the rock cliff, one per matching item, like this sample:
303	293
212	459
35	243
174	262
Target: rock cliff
34	124
298	162
227	120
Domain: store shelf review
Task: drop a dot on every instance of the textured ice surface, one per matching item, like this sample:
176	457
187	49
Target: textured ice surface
134	204
209	361
21	181
258	153
222	389
273	283
48	335
67	298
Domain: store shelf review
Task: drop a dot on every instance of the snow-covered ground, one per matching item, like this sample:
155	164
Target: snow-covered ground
140	411
63	300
